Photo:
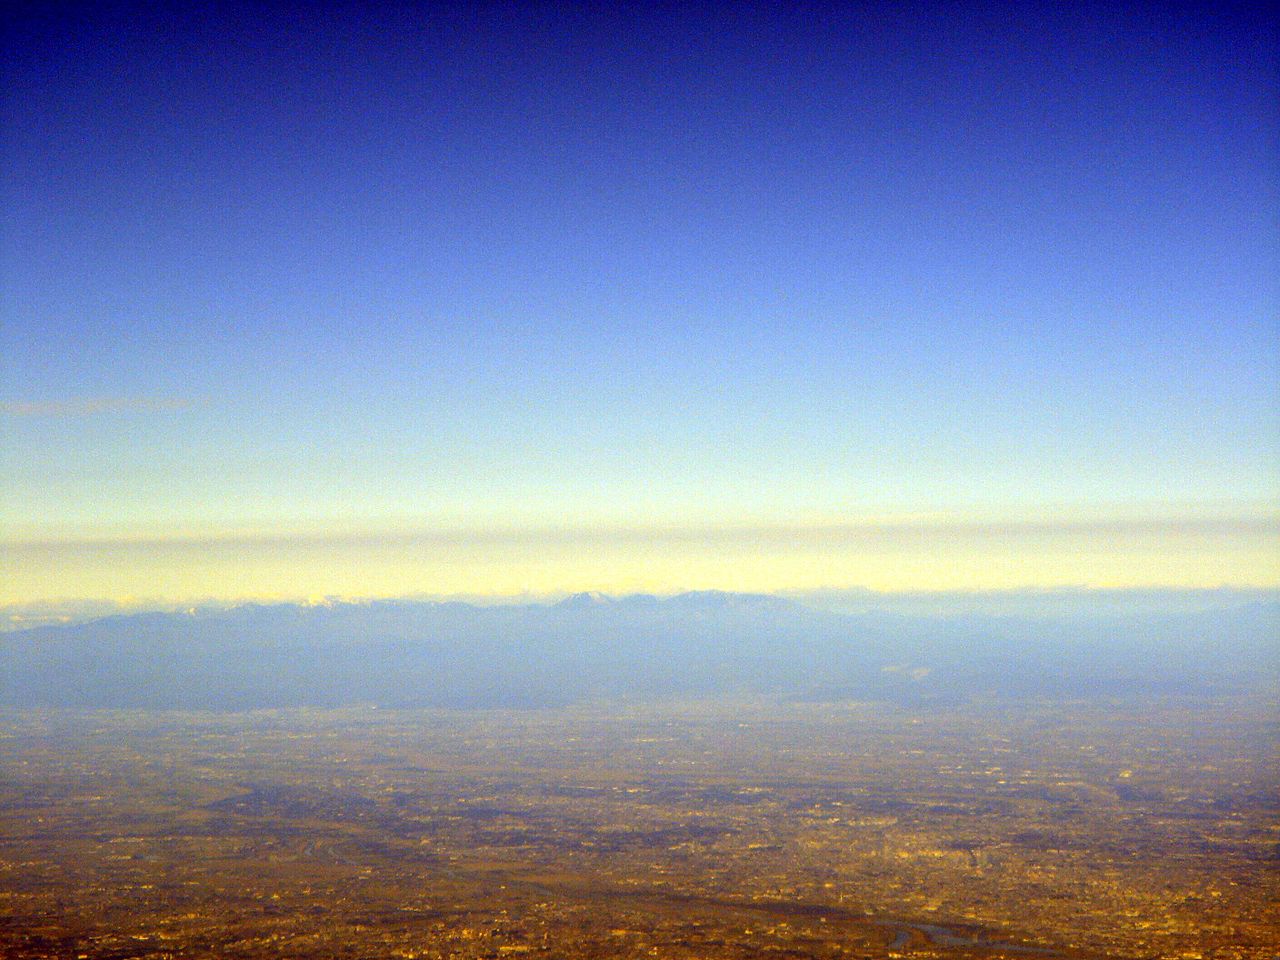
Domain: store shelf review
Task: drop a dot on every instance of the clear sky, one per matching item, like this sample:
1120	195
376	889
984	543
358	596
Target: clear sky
391	299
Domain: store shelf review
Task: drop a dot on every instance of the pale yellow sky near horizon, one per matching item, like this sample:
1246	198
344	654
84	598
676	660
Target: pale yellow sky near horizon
928	554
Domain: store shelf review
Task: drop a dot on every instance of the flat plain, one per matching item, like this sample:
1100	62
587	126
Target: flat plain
1127	829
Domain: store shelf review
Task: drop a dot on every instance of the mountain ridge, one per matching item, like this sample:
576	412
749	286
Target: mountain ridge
638	646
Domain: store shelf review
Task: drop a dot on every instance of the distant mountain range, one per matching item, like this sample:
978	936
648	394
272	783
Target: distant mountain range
401	653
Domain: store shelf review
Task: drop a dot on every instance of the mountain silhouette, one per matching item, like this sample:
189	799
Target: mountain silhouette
408	653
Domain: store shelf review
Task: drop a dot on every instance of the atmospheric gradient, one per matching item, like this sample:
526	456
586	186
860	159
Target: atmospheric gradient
521	299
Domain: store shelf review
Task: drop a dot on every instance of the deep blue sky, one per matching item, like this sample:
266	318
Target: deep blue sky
279	269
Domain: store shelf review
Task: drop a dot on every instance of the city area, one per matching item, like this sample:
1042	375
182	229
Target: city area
705	829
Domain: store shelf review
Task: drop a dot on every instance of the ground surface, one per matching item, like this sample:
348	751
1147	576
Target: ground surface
1136	830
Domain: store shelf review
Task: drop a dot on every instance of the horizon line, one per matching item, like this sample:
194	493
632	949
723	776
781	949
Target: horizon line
1029	591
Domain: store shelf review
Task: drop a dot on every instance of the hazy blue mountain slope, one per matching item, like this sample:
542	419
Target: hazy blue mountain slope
403	653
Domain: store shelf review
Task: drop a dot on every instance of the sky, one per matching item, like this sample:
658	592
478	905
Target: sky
391	299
